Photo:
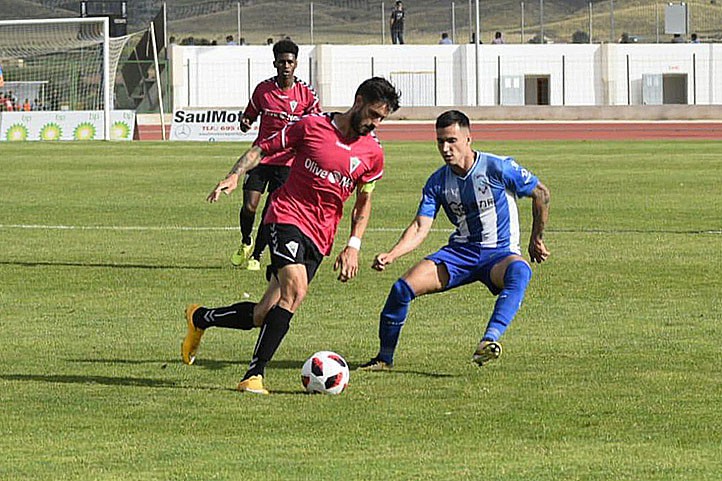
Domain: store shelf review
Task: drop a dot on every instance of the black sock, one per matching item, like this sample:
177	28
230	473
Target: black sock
237	316
261	241
247	219
278	320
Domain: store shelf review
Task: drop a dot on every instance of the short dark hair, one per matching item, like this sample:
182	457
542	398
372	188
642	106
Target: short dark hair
451	117
378	89
285	46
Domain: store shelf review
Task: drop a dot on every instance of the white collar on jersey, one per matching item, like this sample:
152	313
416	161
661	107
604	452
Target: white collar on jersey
477	156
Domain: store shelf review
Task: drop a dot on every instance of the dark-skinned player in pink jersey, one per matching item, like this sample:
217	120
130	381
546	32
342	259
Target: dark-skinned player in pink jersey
279	100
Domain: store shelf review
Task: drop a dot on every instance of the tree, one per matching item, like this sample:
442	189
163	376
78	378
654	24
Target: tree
580	37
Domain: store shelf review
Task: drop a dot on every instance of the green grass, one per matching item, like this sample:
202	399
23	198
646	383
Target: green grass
611	370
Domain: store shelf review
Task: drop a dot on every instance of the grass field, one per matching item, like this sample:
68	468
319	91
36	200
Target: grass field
611	370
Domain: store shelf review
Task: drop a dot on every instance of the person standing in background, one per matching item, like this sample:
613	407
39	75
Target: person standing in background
397	23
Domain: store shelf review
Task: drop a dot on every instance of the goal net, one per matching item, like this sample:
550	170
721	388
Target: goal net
58	65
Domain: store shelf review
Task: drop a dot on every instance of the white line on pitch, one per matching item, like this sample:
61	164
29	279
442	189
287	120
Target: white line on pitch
233	228
156	228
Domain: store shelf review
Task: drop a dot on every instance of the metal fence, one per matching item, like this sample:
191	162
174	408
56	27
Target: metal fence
367	22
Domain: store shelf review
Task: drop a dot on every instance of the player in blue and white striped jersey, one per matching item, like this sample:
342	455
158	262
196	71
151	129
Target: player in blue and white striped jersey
478	193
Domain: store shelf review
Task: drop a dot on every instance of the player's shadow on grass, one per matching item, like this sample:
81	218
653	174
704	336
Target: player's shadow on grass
211	364
103	380
122	381
396	372
106	265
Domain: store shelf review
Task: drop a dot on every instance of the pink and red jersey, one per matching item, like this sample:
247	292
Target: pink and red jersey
325	170
277	108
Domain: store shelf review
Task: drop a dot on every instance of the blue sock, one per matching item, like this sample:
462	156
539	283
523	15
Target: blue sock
393	317
516	279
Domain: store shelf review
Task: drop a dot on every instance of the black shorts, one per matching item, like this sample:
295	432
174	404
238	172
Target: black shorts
263	175
288	245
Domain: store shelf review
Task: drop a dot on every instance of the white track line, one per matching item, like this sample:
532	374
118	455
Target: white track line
233	228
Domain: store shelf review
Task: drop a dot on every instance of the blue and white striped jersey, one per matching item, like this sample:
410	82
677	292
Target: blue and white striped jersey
482	204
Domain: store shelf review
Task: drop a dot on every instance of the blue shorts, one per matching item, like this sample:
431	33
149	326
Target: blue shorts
469	263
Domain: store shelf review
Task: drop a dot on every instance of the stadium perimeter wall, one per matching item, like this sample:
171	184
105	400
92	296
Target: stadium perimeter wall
596	75
617	123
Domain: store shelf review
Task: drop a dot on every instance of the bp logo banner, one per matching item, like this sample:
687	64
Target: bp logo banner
50	126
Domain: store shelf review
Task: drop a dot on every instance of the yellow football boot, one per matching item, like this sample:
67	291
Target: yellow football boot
243	253
253	384
189	348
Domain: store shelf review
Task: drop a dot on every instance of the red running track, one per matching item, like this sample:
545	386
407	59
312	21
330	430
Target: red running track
424	131
563	131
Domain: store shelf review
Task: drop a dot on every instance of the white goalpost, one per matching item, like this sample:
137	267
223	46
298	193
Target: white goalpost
60	65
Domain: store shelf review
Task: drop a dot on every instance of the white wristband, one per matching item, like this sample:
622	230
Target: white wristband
354	242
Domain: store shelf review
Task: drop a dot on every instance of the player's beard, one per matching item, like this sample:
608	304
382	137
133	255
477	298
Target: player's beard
358	127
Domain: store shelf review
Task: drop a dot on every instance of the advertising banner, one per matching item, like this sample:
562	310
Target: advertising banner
210	125
65	125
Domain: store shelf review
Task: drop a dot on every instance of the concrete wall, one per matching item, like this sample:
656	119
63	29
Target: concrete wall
445	75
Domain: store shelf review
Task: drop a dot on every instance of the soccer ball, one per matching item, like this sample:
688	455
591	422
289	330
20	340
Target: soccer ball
325	372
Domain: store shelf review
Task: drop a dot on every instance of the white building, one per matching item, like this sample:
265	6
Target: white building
446	75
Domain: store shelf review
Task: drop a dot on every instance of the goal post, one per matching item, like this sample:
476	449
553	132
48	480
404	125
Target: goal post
66	64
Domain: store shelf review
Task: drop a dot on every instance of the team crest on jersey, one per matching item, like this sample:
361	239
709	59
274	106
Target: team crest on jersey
292	247
354	162
482	183
293	105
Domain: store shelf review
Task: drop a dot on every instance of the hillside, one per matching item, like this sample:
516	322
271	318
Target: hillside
21	9
360	21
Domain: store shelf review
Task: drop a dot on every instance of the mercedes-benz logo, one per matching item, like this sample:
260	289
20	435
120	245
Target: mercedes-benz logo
183	131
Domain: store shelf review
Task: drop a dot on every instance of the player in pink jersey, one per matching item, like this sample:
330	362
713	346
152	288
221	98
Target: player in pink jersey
335	154
277	101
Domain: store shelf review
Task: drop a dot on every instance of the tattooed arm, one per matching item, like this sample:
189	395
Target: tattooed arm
246	162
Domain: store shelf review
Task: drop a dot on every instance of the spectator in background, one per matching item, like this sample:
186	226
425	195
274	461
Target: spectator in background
269	41
445	40
473	38
8	103
26	105
242	41
677	38
2	79
230	41
397	23
54	101
693	38
498	40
